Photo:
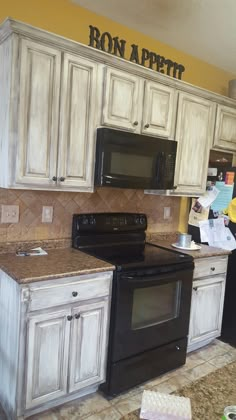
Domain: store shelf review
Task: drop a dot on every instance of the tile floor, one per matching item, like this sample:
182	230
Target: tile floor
96	407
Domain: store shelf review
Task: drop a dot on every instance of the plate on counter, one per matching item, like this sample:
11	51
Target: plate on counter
193	247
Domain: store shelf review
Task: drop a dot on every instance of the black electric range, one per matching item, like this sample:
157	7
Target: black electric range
151	297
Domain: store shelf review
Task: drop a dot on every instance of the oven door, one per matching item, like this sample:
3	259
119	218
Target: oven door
150	311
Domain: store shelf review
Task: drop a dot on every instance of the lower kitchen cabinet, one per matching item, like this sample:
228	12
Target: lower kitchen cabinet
59	345
207	301
47	361
60	350
87	359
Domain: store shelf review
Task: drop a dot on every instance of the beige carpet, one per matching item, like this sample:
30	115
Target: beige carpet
208	395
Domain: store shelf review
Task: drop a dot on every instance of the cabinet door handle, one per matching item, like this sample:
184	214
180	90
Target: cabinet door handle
62	179
212	268
54	178
195	288
74	294
135	123
69	317
77	316
177	348
146	126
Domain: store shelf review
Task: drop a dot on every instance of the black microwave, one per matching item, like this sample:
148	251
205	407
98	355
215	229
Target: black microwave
128	160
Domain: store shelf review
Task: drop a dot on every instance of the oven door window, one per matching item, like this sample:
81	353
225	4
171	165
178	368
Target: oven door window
155	305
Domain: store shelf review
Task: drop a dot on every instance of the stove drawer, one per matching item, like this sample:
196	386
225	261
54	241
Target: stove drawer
69	290
210	266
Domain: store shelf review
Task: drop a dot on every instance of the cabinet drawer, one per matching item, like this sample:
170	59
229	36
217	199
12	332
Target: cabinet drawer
69	290
210	266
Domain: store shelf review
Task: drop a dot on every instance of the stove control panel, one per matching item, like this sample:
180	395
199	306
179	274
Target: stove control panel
108	222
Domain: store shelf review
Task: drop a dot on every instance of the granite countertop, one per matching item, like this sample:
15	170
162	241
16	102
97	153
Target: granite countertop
57	264
204	252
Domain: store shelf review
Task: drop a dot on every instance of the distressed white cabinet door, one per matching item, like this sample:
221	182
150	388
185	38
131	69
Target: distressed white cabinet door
206	309
159	110
39	84
77	134
47	357
194	134
225	131
88	345
122	106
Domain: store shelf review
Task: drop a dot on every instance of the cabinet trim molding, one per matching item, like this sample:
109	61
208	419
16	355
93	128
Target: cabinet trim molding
12	26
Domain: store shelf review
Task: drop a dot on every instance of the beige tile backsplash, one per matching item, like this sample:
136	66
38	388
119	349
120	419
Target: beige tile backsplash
31	228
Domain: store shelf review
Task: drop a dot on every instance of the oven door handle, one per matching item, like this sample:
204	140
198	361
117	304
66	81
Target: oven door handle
154	277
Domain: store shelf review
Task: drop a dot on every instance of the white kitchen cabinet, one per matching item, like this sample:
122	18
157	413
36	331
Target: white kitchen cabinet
87	362
53	352
53	139
47	361
225	129
122	100
159	110
60	351
138	105
206	310
39	90
194	134
55	93
207	301
77	121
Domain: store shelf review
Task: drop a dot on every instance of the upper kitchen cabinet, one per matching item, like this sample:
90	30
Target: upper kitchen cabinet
225	130
49	134
194	134
38	116
159	110
77	122
122	100
138	105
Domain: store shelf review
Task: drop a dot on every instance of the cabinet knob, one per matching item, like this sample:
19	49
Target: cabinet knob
62	179
212	268
177	348
69	317
54	178
146	126
195	288
74	294
135	123
77	316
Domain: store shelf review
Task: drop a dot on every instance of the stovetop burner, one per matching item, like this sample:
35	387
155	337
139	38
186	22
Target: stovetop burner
119	238
137	257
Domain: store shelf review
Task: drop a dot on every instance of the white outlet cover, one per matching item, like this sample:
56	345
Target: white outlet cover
166	214
10	214
47	214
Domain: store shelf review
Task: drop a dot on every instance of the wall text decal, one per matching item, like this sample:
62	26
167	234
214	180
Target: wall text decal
113	45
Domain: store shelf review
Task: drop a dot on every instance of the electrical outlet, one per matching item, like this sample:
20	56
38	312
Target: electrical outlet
9	214
47	214
166	214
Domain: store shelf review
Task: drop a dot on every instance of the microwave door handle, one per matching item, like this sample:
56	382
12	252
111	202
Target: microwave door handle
159	166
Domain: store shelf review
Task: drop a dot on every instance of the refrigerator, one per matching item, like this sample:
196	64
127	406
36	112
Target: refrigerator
228	333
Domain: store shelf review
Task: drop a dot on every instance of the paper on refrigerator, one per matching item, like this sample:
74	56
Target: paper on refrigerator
216	234
197	213
209	197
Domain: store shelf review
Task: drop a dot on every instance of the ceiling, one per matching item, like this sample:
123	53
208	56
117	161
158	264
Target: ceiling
205	29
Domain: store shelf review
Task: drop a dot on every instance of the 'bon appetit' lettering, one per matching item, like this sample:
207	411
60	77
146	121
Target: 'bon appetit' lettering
113	45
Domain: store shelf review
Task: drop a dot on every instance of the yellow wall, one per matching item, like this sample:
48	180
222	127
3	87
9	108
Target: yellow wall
68	19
